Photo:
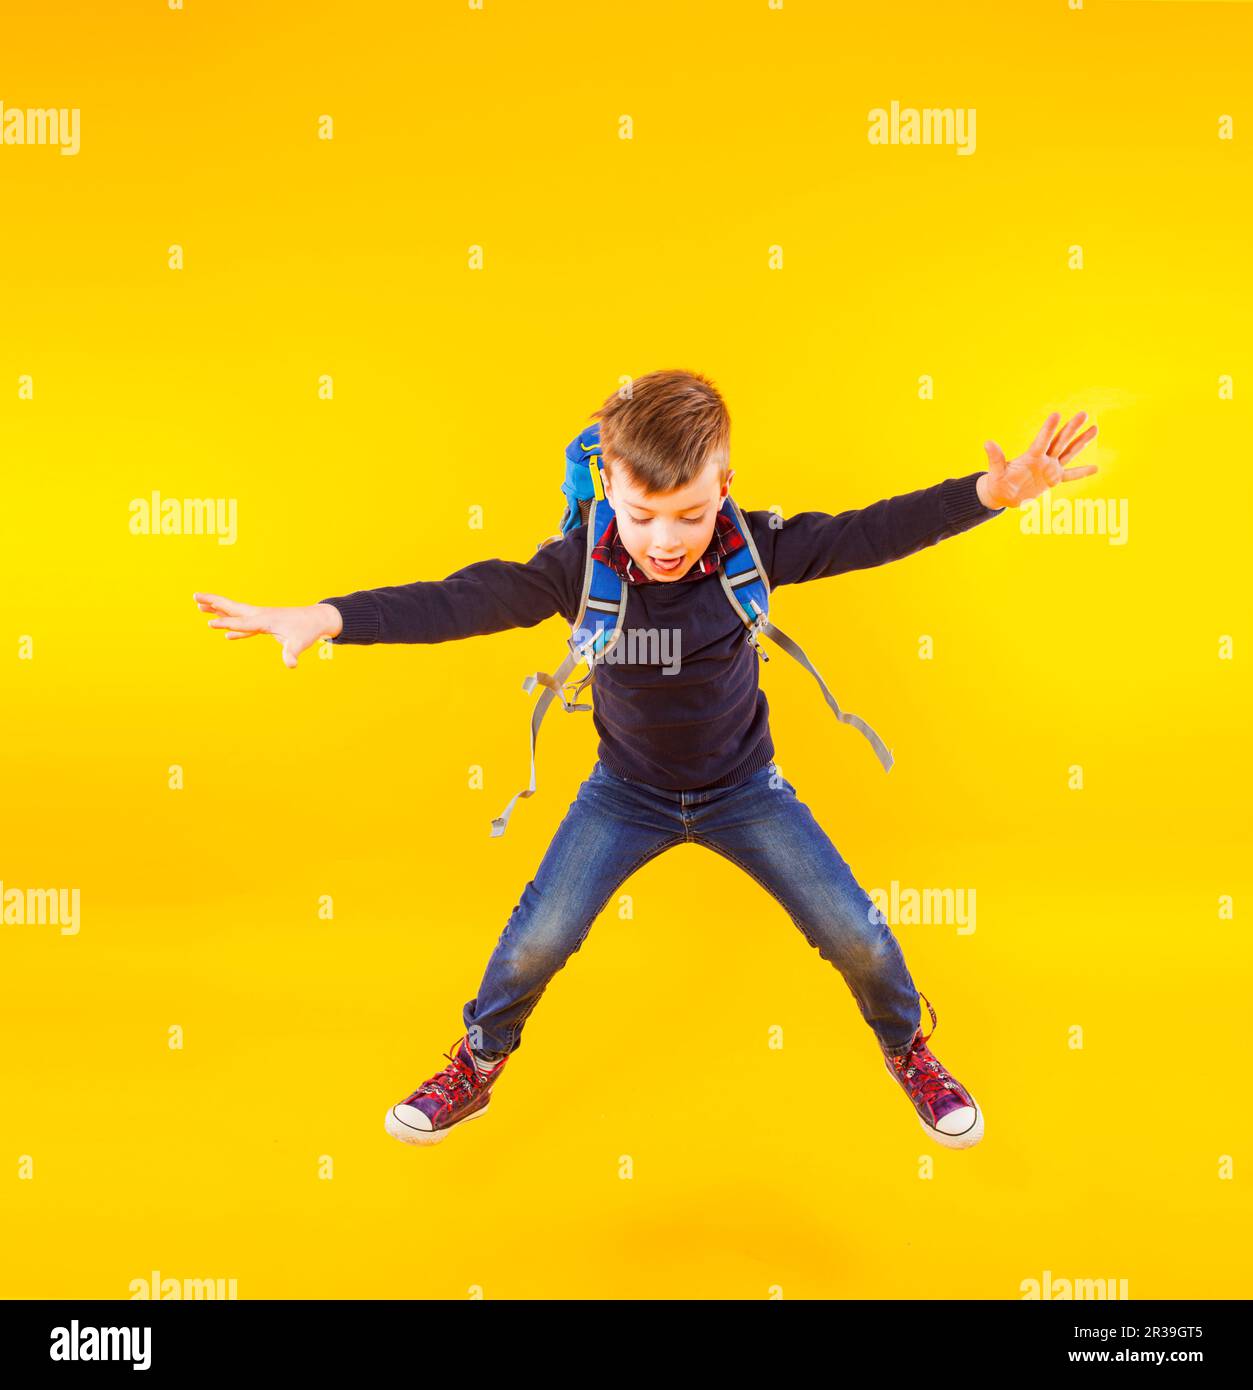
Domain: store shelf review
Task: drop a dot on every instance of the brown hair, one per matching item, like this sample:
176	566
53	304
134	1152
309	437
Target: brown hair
666	430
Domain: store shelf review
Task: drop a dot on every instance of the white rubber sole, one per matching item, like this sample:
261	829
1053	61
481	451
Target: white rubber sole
407	1134
965	1140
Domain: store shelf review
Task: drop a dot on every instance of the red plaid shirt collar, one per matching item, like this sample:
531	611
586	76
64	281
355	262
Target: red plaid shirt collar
610	551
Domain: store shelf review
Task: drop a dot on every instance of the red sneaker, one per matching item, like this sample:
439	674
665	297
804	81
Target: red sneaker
946	1109
451	1097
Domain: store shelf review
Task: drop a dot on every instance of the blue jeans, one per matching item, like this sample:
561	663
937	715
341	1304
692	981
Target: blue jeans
614	826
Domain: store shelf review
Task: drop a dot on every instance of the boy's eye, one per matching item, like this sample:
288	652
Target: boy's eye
687	520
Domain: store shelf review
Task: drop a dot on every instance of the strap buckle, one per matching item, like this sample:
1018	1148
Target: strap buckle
755	628
584	652
578	687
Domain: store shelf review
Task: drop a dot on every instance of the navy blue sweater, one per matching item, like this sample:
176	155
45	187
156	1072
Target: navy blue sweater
705	724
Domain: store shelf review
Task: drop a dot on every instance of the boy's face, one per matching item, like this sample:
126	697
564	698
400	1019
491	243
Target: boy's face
657	527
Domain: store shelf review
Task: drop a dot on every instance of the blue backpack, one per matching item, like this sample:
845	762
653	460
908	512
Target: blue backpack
602	607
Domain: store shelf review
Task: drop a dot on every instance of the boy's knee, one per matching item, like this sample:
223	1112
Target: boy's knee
539	951
862	946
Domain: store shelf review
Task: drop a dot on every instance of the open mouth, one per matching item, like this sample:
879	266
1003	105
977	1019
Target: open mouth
665	566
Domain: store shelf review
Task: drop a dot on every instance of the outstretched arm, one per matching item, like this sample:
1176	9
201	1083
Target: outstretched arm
487	596
816	545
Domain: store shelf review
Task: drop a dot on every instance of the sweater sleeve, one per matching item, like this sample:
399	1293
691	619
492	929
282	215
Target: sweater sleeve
487	596
817	545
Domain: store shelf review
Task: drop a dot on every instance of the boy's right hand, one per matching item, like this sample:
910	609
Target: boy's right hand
295	629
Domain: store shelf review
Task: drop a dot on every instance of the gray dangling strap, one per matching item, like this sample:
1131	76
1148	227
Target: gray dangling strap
880	748
559	690
553	686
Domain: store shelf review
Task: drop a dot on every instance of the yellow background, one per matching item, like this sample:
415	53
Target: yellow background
754	1169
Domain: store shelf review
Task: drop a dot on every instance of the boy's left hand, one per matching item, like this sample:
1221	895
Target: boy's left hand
1042	466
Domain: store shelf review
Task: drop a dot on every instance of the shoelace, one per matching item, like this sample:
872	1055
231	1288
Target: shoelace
923	1072
454	1079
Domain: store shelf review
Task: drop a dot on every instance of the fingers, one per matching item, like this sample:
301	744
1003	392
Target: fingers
1070	474
215	603
1085	438
290	653
1040	442
1067	432
240	620
996	459
250	623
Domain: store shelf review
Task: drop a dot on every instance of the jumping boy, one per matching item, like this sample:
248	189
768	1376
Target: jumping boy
685	748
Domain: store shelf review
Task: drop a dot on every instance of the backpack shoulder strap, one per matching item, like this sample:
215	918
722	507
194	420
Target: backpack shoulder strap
603	602
748	588
744	578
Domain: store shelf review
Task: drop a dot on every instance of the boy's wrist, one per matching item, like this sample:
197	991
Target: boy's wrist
330	619
982	484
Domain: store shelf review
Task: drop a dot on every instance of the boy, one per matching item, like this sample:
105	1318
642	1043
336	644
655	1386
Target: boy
685	749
